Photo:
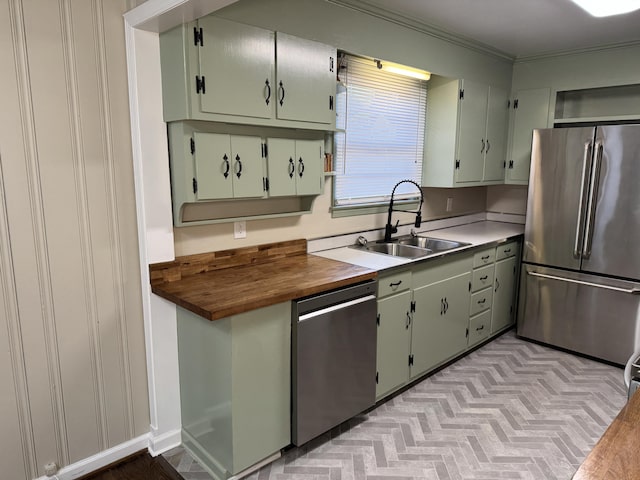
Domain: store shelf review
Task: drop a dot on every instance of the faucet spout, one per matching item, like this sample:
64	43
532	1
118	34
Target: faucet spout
389	228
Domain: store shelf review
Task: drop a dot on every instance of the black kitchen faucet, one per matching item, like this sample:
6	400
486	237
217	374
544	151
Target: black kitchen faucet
390	229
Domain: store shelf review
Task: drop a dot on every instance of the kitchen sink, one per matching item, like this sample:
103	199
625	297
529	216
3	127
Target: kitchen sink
436	245
398	250
411	246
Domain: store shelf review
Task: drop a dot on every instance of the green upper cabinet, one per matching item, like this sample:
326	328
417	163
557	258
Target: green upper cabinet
295	167
227	166
466	133
306	80
530	110
472	125
218	70
497	125
237	63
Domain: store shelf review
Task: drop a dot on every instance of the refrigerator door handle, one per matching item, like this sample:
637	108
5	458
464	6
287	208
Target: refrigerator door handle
584	189
632	291
593	194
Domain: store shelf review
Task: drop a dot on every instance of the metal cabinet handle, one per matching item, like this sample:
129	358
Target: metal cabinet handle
395	284
481	327
497	285
239	164
508	250
583	193
446	305
482	149
226	165
281	89
488	145
408	320
591	208
482	302
292	167
266	83
484	278
300	167
485	258
632	291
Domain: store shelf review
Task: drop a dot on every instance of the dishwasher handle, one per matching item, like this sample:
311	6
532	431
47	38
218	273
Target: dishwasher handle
333	308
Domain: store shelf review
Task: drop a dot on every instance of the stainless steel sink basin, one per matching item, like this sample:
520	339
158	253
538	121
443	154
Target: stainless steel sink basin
398	250
411	246
436	245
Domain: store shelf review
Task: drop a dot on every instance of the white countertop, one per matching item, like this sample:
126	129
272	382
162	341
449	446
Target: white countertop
477	233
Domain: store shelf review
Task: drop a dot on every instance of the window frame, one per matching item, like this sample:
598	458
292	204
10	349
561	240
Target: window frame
380	203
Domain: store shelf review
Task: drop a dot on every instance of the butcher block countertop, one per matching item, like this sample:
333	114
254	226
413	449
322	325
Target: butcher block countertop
220	284
616	456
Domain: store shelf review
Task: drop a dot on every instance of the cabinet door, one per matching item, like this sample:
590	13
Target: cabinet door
281	165
237	62
439	322
531	110
497	123
471	132
306	80
394	339
212	158
503	294
309	166
246	166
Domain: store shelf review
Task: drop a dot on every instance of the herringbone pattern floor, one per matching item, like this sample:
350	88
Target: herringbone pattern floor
510	410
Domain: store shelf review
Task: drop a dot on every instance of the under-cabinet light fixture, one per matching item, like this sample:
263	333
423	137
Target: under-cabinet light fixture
600	8
403	70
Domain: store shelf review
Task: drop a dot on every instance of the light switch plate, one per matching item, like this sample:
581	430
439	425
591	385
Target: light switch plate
240	229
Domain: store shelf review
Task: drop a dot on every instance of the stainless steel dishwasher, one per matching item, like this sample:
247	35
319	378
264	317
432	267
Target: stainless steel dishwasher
333	359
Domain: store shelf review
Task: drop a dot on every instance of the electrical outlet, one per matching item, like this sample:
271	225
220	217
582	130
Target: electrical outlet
240	229
449	204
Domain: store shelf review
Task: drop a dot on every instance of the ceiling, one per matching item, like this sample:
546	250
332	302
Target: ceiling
515	28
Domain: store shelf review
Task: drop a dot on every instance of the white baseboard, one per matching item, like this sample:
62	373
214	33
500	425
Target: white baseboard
102	459
159	444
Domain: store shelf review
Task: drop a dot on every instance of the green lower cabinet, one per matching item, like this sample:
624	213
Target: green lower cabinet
479	327
235	389
504	294
440	322
394	341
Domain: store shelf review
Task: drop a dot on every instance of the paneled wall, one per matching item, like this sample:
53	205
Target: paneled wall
72	358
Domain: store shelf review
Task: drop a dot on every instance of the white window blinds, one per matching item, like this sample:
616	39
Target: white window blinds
383	118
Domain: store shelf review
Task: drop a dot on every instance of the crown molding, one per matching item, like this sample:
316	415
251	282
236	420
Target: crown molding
575	51
427	29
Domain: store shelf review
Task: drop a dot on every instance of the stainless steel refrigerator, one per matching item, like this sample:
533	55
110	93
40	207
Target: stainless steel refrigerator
580	281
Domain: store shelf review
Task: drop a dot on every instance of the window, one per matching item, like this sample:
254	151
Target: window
381	118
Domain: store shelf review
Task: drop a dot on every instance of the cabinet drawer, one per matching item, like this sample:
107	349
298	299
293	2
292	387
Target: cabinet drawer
484	257
438	269
480	301
394	283
479	327
482	278
507	250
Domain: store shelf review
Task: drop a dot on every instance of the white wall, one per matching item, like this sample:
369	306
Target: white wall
589	69
72	360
